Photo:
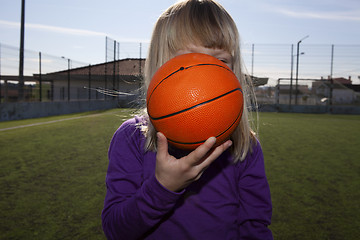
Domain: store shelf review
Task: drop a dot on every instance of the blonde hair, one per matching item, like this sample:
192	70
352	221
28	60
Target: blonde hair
204	23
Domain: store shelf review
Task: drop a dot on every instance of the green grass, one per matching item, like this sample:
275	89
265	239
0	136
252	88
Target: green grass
313	167
52	175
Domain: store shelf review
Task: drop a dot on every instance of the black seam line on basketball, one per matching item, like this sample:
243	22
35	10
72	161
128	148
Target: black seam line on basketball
180	69
190	143
208	64
183	68
195	106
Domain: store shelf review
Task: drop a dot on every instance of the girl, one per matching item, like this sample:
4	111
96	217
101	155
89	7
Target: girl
155	191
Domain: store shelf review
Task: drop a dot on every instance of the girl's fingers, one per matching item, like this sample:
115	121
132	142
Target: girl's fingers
206	152
215	153
220	149
210	156
175	174
200	152
162	145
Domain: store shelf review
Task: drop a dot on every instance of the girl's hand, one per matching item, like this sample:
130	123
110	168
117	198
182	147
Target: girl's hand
176	174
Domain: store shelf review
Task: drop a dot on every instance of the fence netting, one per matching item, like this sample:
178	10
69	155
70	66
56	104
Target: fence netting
309	74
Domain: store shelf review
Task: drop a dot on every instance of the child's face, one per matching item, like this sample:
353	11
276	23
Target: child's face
220	54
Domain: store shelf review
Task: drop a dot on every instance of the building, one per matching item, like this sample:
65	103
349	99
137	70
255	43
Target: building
301	97
117	78
121	78
341	91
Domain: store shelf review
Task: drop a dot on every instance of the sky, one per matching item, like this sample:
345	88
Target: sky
76	29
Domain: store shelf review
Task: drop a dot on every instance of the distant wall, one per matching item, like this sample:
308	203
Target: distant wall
309	109
25	110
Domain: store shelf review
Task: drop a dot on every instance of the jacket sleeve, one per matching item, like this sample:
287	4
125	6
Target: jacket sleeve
255	201
132	205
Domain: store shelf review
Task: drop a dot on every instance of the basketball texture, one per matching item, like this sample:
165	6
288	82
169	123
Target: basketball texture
193	97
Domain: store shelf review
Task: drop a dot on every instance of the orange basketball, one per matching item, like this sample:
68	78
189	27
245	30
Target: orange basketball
193	97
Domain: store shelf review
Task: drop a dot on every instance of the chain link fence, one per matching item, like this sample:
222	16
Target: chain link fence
37	66
308	74
312	74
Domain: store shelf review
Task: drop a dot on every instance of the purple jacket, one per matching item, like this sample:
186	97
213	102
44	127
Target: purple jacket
229	201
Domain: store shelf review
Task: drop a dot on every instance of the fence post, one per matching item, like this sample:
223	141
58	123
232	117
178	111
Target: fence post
89	89
140	62
0	75
114	67
278	96
118	67
40	80
331	79
252	61
106	60
291	73
68	79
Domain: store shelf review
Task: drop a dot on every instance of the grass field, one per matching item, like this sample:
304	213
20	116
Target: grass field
52	175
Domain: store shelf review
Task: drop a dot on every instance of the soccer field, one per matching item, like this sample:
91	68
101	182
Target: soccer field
52	174
313	167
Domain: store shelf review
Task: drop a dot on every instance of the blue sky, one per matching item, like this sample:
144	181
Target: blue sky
77	29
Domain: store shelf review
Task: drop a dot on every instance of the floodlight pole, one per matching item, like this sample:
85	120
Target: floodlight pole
297	68
291	73
21	57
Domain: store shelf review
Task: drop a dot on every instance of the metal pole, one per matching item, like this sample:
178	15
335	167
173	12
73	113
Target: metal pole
118	66
278	93
40	80
0	73
297	72
291	73
297	68
89	90
118	51
114	67
140	62
331	77
106	48
21	60
252	61
68	79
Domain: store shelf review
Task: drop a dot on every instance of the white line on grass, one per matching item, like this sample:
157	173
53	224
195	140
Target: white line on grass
54	121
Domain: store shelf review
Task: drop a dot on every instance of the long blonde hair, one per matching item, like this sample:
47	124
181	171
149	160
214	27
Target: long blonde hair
205	23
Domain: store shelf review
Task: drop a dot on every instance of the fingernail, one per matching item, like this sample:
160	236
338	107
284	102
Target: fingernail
212	140
158	135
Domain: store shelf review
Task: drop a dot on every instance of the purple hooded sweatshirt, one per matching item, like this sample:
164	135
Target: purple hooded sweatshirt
229	201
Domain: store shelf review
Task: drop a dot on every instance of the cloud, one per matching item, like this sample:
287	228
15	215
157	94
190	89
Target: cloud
337	16
61	30
69	31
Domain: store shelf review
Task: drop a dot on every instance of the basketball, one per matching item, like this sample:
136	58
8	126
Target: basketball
193	97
